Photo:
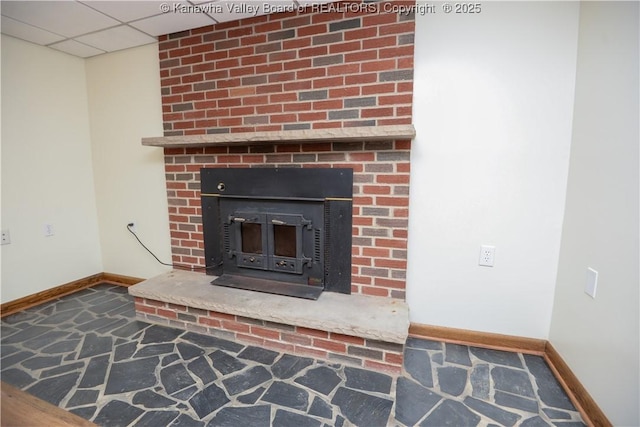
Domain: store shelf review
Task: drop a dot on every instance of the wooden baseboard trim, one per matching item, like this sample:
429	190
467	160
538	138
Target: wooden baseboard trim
120	280
579	395
32	300
479	339
581	399
38	298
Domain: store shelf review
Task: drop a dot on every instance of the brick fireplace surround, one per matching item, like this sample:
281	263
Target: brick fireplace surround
341	66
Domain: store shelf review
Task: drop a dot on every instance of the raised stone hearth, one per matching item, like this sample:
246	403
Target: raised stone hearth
356	329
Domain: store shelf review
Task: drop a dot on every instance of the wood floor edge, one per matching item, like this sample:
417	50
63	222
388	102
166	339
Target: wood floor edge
579	396
575	390
22	409
38	298
479	339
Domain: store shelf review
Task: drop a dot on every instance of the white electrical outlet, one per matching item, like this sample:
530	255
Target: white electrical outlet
6	237
592	282
487	255
48	230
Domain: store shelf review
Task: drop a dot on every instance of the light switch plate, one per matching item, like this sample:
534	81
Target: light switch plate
592	282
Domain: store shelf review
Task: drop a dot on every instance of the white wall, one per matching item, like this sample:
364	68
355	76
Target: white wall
600	338
493	97
125	105
46	171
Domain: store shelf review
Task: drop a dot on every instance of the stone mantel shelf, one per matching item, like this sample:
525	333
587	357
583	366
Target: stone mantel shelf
353	134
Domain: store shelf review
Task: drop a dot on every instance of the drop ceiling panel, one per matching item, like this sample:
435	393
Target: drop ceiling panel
27	32
172	22
76	48
118	38
230	10
61	17
127	11
89	27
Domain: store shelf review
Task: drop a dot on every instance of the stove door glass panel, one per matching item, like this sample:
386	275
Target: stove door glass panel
251	238
285	238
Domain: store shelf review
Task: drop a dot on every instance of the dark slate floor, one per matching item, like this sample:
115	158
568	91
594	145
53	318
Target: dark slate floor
88	354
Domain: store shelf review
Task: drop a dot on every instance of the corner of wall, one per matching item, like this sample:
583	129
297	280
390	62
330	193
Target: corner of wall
601	221
125	106
47	176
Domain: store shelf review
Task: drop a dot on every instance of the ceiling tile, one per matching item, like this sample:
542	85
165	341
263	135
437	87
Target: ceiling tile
173	22
61	17
91	23
230	10
239	9
26	32
75	48
118	38
127	11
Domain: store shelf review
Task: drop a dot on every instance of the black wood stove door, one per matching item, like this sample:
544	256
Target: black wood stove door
275	242
285	231
275	239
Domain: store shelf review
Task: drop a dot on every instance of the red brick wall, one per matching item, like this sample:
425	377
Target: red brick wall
289	71
314	343
380	204
303	70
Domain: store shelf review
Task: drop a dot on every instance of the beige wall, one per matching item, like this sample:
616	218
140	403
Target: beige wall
124	106
46	171
600	338
71	156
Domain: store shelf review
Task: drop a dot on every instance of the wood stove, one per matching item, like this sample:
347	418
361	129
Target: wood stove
279	230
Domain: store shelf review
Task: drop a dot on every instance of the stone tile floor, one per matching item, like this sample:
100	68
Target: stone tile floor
87	353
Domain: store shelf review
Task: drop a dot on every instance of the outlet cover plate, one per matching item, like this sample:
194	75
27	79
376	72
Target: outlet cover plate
6	237
487	255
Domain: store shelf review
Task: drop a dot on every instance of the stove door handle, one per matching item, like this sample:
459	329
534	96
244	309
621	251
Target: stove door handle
238	219
277	222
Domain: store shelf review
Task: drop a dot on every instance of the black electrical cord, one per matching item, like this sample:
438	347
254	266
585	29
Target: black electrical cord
190	267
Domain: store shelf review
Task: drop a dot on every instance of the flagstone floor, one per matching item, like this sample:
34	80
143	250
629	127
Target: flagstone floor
88	354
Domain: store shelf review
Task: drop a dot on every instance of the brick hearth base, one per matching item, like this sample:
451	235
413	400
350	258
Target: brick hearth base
357	330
